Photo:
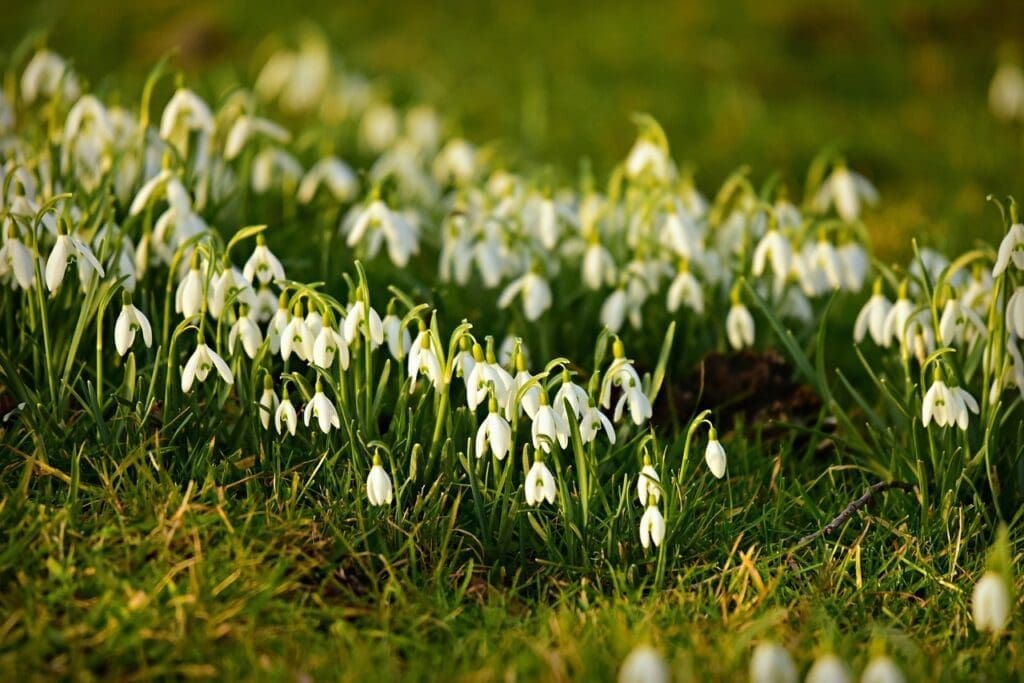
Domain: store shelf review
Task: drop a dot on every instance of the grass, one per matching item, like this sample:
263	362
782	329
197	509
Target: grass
153	539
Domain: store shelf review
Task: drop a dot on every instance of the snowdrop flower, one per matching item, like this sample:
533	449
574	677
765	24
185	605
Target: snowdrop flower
296	337
486	378
16	259
828	669
714	455
226	286
44	74
573	394
648	485
268	402
825	258
248	127
613	310
363	320
377	223
648	159
130	321
262	264
285	417
882	669
771	663
549	426
855	264
378	484
591	424
246	330
872	318
327	346
535	291
776	250
990	604
332	173
399	338
540	483
739	326
424	359
896	320
494	433
530	401
845	190
1006	93
184	114
598	266
456	162
66	249
323	410
274	167
685	290
947	406
644	665
199	364
953	325
652	527
423	126
379	127
1011	249
1015	312
188	298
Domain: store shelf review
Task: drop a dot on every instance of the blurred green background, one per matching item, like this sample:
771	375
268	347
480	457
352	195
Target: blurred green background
900	85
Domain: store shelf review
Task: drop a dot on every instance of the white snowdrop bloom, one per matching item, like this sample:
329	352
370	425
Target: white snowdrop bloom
327	346
530	402
648	159
535	291
486	378
264	305
739	327
882	669
314	321
334	174
644	665
872	318
796	305
685	289
855	265
164	183
978	292
87	143
639	405
367	324
956	321
613	310
825	260
188	298
771	663
1013	372
591	424
285	417
648	484
991	604
184	114
1014	312
1006	93
130	321
229	285
714	455
273	167
262	264
573	394
947	406
379	127
296	338
44	74
919	336
540	484
1011	249
652	527
896	320
847	191
66	249
375	224
598	268
507	349
423	126
199	364
679	235
399	338
248	332
16	259
494	434
247	128
549	427
268	403
423	359
773	249
828	669
378	484
621	373
323	410
456	162
278	322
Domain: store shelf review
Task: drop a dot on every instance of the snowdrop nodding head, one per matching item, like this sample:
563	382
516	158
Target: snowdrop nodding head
66	249
262	264
828	669
285	417
882	669
1011	249
772	663
648	485
268	402
199	364
130	321
714	455
540	483
872	318
323	410
991	603
739	323
644	665
378	484
494	433
652	527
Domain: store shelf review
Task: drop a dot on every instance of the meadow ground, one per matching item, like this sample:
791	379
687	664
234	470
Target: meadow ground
168	548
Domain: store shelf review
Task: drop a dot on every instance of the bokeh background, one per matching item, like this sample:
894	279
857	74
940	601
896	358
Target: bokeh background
900	86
